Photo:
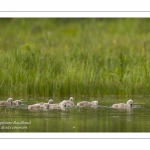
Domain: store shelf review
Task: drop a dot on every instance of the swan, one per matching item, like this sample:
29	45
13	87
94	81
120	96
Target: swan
34	106
6	103
54	106
87	104
62	105
94	103
38	106
68	103
123	105
41	103
84	104
17	102
44	106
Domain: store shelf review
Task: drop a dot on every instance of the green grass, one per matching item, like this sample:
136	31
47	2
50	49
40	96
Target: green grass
74	57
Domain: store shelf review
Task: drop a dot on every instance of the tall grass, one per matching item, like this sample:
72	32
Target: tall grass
74	57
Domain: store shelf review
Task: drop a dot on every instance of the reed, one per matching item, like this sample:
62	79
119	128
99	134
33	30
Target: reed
78	57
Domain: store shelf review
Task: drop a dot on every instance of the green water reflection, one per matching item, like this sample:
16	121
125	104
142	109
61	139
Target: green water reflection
100	119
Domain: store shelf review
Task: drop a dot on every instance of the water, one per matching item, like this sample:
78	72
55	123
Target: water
100	119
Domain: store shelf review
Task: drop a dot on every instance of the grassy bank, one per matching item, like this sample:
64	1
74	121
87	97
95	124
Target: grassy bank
74	57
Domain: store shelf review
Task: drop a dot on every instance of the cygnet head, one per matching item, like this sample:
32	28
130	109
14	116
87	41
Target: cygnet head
71	99
18	102
50	101
130	102
9	100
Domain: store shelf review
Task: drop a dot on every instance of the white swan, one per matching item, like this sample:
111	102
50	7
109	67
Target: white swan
87	104
123	105
6	103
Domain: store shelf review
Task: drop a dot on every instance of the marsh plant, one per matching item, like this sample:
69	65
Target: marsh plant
79	57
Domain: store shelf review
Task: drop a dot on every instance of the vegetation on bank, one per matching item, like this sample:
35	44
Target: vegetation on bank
89	57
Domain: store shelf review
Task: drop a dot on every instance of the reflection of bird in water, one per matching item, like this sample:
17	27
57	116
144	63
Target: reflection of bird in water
128	110
63	114
126	113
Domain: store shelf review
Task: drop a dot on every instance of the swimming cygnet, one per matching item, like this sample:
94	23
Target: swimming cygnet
123	105
17	102
41	103
68	103
62	105
6	103
44	106
94	103
87	104
54	106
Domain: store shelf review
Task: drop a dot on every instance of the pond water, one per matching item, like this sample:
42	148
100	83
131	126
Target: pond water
104	118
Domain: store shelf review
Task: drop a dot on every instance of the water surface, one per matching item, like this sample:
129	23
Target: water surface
104	118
